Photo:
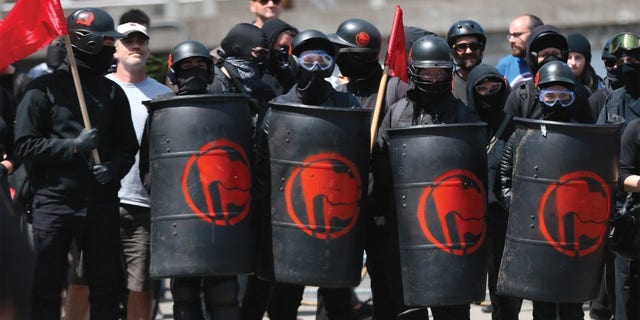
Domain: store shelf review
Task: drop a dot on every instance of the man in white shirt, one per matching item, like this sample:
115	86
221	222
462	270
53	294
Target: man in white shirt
135	214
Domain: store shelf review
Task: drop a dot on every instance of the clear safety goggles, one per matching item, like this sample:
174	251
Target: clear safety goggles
488	88
309	59
550	97
624	41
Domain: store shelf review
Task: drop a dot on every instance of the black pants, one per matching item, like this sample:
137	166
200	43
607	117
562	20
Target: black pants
504	307
626	275
280	300
96	228
220	296
380	290
553	311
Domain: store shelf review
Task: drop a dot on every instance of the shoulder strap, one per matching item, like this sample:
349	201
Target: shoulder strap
498	133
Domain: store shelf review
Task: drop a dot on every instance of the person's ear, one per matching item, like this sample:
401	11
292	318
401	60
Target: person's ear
252	6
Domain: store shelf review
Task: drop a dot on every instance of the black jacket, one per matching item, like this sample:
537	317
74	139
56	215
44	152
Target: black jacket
49	119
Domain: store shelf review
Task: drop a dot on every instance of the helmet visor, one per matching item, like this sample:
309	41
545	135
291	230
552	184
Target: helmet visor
625	41
550	97
312	60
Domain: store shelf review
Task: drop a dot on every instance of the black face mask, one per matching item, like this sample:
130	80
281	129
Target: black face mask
557	113
98	63
55	56
192	81
614	78
490	103
354	70
631	76
311	86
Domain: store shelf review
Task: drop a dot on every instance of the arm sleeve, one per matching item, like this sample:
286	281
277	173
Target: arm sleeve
123	136
32	131
512	105
628	164
505	171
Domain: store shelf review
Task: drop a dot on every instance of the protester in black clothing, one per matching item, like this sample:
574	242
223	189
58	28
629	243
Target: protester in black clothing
242	65
625	102
555	100
279	36
546	44
429	101
191	70
612	81
73	197
486	93
579	61
358	43
7	157
312	59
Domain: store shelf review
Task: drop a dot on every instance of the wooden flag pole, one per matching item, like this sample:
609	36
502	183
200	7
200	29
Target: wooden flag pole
78	85
378	107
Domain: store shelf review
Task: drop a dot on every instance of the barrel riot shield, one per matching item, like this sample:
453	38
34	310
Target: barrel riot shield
440	178
564	177
201	186
319	164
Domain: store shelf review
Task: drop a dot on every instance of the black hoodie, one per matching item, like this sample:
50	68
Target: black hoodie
278	79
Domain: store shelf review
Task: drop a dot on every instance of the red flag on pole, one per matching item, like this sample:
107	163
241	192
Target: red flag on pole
396	58
29	27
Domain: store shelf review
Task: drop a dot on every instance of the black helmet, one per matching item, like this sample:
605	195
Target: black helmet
555	72
466	28
88	27
429	52
310	40
188	49
359	37
545	36
606	52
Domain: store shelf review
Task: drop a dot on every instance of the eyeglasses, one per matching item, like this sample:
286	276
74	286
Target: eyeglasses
488	88
624	41
264	2
550	97
462	47
311	58
516	35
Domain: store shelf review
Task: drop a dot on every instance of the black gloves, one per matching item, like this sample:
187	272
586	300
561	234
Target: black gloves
102	172
86	141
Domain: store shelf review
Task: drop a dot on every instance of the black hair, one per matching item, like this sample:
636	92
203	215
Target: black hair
135	15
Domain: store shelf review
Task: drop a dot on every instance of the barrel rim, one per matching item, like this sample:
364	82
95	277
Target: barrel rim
290	106
411	129
519	121
160	103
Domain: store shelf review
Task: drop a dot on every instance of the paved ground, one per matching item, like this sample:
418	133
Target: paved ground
307	310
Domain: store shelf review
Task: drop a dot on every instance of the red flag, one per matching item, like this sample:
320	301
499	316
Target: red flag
29	27
396	58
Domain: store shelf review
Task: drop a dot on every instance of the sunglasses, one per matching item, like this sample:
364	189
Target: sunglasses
462	47
264	2
550	97
488	88
312	60
624	41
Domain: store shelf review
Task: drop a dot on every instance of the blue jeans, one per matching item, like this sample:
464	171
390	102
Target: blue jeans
96	229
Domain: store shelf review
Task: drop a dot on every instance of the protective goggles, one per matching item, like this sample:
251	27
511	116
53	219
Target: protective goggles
488	88
550	97
624	41
309	59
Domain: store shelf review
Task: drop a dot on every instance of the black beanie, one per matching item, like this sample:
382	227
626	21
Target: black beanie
579	43
241	39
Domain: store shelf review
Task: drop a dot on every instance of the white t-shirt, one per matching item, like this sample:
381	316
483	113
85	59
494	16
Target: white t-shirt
132	191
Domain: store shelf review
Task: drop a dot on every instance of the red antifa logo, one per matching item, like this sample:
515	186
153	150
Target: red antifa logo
362	39
218	175
574	213
85	18
323	195
451	213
